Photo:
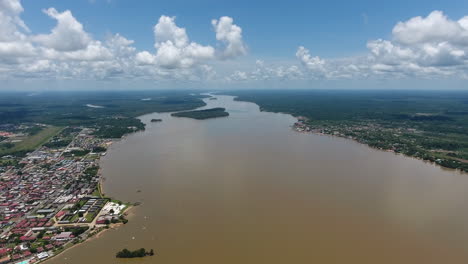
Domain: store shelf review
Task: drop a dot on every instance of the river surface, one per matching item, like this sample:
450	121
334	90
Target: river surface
249	189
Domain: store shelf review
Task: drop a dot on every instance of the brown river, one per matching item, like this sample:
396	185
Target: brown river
249	189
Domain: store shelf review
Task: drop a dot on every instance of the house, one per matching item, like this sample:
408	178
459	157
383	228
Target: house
42	255
63	236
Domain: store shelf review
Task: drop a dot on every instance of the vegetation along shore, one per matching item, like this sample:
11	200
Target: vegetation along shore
429	125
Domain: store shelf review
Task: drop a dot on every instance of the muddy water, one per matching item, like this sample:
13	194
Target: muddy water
248	189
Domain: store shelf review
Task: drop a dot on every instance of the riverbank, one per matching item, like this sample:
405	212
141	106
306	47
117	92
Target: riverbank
427	126
96	229
302	126
96	235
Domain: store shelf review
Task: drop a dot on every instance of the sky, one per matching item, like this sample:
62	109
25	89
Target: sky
122	44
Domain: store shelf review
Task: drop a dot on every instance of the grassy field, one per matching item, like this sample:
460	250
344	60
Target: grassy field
32	142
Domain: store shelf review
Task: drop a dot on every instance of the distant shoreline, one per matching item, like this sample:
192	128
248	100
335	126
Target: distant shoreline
306	128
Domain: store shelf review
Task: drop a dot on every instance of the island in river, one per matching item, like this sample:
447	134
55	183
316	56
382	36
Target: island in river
203	114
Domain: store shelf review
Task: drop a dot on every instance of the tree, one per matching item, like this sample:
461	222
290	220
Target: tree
139	253
40	235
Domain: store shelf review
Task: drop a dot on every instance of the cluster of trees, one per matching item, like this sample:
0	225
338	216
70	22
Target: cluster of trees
60	143
90	173
99	149
139	253
118	127
76	231
203	114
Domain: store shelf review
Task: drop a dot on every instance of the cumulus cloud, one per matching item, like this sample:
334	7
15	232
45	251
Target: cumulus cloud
312	63
175	50
435	28
167	30
145	58
422	47
68	51
67	35
10	20
13	40
429	46
231	37
433	46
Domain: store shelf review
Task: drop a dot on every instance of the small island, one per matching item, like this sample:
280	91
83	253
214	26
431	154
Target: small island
139	253
203	114
156	120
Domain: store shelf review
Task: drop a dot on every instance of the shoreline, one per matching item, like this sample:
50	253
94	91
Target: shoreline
93	237
100	187
301	119
312	132
103	229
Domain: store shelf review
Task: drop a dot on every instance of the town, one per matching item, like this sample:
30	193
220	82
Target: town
50	199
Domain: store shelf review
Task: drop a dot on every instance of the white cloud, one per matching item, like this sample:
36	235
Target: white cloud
422	47
10	20
231	36
434	46
432	41
267	72
16	50
67	35
171	56
145	58
312	63
13	41
174	50
69	52
167	30
434	28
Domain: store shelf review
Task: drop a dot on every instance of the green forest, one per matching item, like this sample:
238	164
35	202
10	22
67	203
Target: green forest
113	114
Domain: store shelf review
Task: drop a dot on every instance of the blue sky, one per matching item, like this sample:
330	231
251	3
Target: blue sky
301	43
271	28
